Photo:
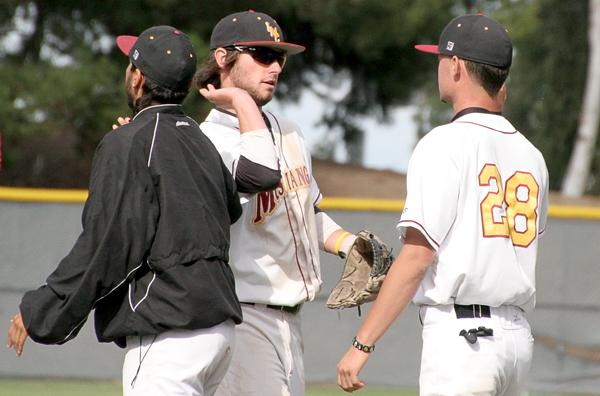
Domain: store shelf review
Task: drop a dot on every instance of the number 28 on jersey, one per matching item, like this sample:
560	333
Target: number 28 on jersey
509	210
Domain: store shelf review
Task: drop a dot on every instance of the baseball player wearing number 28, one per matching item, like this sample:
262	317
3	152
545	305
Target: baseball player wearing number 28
275	245
476	205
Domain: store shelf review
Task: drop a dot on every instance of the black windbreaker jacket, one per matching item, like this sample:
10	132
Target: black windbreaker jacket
153	253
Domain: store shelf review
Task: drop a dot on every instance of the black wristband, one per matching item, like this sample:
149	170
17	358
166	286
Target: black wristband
362	347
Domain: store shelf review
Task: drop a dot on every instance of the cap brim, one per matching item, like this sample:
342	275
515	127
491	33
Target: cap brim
288	48
125	43
428	48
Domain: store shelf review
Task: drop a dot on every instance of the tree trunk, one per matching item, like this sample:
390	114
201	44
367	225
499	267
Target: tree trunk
356	148
578	170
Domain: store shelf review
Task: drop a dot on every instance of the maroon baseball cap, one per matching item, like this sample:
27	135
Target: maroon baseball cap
476	38
250	28
163	54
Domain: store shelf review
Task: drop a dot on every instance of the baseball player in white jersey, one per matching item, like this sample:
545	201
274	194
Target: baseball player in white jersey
476	205
275	246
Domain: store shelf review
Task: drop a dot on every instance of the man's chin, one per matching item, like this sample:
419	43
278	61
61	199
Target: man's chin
263	100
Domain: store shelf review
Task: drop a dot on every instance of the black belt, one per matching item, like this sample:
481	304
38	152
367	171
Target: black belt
284	308
472	311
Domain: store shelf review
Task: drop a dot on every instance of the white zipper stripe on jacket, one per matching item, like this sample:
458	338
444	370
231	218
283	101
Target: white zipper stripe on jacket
101	298
133	308
153	138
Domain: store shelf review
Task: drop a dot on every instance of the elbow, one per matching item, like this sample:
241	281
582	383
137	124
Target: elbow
253	186
252	178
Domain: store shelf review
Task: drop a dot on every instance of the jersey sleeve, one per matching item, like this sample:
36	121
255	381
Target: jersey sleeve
249	156
118	222
433	183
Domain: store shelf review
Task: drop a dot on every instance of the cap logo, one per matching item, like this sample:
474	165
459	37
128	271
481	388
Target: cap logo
450	46
273	32
136	54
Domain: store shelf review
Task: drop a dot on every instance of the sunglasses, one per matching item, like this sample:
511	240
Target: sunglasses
264	55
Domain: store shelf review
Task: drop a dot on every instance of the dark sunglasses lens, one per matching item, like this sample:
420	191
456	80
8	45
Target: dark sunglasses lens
267	56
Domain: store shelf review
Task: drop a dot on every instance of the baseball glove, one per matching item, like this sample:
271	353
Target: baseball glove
367	264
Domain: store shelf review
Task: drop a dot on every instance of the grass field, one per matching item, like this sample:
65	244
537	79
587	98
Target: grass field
53	387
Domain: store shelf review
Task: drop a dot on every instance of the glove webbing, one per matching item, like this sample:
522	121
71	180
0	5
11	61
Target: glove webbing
380	264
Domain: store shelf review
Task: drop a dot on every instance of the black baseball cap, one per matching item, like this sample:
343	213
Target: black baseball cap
163	54
476	38
250	28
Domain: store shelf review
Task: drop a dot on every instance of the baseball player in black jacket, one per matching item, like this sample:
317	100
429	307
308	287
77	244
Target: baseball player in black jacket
152	259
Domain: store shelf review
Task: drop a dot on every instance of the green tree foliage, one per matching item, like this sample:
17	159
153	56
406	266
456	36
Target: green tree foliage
548	76
61	85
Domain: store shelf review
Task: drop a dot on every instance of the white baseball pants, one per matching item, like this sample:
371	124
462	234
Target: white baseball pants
178	362
268	356
493	365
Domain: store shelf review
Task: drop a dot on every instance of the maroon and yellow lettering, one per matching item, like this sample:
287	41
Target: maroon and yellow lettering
292	180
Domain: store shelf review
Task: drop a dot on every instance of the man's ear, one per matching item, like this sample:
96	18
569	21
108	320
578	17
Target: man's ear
137	79
458	67
220	55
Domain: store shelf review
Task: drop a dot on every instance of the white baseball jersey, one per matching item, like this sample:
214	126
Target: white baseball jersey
478	191
274	248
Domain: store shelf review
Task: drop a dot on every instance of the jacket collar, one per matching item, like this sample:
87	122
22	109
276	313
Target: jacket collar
161	108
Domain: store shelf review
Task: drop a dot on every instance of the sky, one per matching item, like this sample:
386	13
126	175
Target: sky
387	146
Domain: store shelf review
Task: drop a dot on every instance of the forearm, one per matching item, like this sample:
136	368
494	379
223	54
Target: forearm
332	237
400	286
248	114
339	241
258	168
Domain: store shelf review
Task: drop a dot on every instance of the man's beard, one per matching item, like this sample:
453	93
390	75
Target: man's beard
239	81
131	101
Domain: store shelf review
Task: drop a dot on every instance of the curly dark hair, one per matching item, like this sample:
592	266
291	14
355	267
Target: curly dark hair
210	73
155	93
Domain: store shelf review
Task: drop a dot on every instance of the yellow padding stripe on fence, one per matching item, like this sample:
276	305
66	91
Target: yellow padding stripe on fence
42	195
362	204
331	203
574	212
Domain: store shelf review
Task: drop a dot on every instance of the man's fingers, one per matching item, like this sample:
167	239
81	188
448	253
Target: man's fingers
349	368
17	335
121	121
347	380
